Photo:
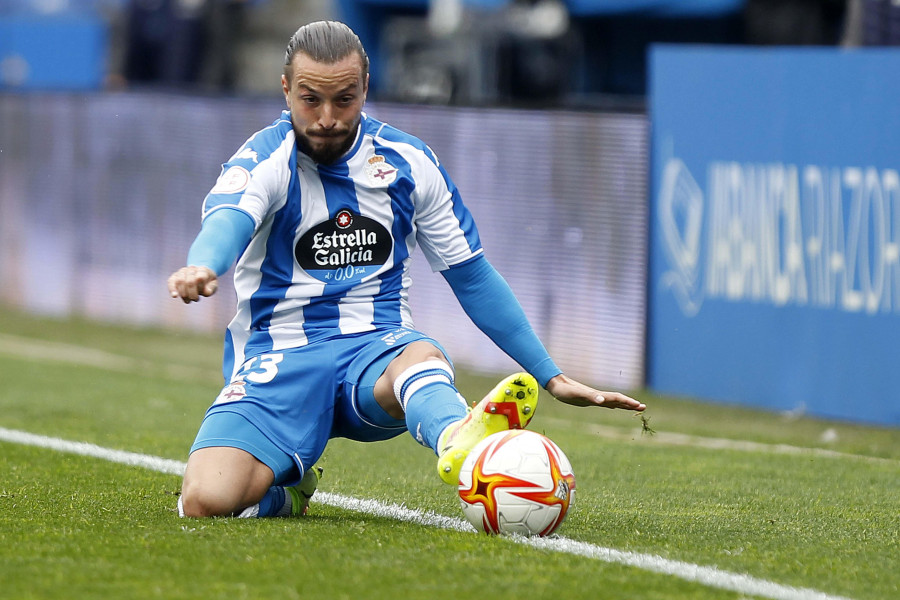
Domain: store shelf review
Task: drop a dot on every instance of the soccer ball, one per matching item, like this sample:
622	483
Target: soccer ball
516	482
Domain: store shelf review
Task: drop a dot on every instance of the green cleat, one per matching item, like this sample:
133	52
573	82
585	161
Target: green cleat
303	491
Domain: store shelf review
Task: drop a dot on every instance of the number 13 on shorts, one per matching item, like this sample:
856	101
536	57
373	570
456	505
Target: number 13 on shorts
259	369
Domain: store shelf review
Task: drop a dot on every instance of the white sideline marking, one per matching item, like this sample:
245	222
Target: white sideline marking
153	463
708	576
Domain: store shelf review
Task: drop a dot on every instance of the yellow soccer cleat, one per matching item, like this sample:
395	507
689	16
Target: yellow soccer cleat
510	405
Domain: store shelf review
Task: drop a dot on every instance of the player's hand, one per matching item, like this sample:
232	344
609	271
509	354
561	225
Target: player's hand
189	283
571	392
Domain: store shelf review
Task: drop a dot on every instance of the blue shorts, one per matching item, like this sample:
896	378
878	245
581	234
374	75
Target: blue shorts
284	406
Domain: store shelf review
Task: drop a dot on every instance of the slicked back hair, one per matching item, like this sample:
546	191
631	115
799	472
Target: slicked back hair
325	42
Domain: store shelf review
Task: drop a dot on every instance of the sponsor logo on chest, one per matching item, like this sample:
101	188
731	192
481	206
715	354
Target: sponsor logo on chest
344	249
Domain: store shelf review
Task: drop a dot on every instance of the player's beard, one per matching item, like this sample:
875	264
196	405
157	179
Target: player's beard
334	147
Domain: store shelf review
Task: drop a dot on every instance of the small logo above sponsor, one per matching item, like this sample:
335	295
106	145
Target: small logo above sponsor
344	219
235	179
380	172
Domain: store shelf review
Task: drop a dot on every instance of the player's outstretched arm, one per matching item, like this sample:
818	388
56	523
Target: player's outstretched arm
565	389
189	283
224	235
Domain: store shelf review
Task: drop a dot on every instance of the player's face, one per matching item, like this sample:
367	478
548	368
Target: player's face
326	102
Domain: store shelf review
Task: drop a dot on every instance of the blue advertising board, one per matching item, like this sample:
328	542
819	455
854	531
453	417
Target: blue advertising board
66	52
775	228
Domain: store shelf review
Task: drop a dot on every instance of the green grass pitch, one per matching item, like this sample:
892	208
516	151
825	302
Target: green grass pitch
808	506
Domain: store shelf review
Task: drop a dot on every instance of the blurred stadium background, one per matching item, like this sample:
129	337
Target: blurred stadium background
571	118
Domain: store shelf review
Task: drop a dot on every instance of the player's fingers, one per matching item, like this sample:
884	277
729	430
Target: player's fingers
192	284
184	284
177	285
619	400
210	288
207	283
172	285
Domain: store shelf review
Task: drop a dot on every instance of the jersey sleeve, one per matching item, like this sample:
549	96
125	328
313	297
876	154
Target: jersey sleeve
257	176
223	237
490	303
446	231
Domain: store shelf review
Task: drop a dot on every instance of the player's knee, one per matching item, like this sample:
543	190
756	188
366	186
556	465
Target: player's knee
198	502
422	351
222	481
414	354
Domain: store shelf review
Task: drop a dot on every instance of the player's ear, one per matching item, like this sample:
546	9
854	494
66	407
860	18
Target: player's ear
366	88
286	88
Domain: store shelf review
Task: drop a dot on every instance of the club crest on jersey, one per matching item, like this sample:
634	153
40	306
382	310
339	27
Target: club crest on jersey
380	171
344	249
232	392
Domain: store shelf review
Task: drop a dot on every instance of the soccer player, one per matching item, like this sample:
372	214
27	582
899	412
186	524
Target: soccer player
321	212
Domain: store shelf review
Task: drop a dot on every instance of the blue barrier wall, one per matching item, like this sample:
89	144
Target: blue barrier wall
775	229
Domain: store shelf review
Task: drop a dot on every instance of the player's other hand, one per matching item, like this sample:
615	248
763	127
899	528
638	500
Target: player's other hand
189	283
571	392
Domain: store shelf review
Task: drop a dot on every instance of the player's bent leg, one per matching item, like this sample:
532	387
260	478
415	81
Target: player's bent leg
236	469
414	354
223	481
419	382
510	405
253	497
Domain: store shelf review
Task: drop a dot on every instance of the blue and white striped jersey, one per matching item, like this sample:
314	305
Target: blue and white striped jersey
332	243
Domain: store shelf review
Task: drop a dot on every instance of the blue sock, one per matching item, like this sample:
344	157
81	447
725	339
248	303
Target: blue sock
430	400
272	503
